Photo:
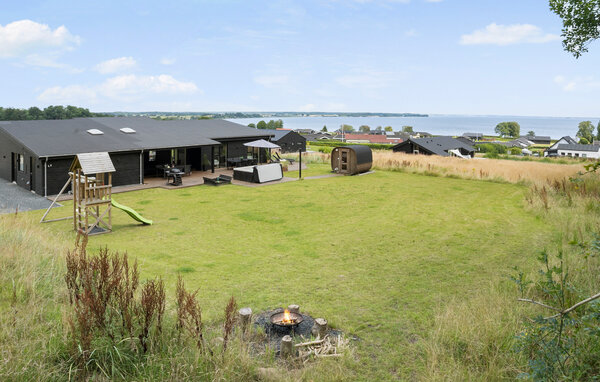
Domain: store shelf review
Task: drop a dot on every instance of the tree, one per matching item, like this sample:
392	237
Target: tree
586	130
364	129
584	141
261	125
35	113
508	129
252	125
379	128
347	128
324	129
531	133
279	124
581	23
389	128
598	131
407	129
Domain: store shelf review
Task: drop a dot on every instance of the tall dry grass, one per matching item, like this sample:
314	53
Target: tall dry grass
489	169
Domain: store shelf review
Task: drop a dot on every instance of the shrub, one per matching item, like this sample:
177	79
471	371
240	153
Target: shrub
492	148
515	151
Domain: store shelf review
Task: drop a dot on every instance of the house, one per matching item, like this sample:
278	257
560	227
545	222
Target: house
288	140
578	151
37	154
473	136
305	131
465	140
538	139
520	142
370	138
443	146
552	151
317	137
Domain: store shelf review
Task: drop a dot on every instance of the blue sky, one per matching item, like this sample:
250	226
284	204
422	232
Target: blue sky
438	57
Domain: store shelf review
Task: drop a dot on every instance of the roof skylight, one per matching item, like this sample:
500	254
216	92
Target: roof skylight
95	132
127	130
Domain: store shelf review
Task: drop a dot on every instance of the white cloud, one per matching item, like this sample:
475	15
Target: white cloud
270	81
73	94
123	88
588	83
135	86
167	61
116	65
496	34
25	37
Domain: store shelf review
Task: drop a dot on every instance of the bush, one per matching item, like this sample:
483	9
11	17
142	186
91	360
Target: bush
515	151
492	148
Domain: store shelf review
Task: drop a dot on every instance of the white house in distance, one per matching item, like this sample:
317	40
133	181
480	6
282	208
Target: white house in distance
578	151
552	151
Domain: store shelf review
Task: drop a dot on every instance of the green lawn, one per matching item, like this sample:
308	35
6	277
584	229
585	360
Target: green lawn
377	255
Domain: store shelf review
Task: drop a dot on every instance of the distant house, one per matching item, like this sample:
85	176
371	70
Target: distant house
305	131
553	150
370	138
288	140
578	151
316	137
465	140
421	134
443	146
473	136
538	139
520	142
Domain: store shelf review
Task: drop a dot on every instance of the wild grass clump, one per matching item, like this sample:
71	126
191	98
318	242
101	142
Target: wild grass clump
486	169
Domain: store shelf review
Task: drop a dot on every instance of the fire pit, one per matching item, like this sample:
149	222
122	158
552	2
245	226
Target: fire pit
286	321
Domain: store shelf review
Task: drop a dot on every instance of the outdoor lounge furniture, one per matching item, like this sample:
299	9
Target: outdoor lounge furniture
219	180
259	174
174	174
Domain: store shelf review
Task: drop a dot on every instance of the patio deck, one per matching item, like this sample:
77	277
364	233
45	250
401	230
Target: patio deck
196	178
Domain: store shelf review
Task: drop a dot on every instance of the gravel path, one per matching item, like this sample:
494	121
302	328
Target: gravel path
13	197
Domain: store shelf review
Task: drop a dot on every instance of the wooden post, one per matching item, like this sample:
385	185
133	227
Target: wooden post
287	347
245	315
300	164
294	308
319	329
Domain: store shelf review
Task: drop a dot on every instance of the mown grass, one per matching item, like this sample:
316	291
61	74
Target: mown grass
381	256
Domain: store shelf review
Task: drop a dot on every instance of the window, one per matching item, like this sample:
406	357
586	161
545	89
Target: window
21	161
127	130
152	155
95	132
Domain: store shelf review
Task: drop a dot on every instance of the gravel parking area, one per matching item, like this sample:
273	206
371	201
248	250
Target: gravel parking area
13	197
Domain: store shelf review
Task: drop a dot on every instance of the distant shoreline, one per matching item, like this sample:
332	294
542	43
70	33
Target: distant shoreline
239	115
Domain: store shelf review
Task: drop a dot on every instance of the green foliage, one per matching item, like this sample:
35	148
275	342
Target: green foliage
492	148
261	125
584	141
531	133
51	112
508	129
515	151
407	129
562	346
324	129
598	131
252	125
581	23
586	130
389	128
347	128
364	128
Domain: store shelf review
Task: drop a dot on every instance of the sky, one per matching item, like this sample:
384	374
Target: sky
479	57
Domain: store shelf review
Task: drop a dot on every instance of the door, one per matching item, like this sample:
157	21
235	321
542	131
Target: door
13	167
344	166
30	173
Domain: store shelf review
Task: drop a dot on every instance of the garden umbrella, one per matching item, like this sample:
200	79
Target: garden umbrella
262	144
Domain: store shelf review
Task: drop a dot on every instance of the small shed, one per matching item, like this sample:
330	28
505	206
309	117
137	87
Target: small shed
351	160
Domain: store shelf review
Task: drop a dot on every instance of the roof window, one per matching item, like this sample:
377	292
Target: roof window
127	130
95	132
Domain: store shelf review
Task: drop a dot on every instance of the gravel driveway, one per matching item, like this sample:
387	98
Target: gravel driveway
13	197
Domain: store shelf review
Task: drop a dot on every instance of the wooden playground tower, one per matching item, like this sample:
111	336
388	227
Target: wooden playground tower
92	195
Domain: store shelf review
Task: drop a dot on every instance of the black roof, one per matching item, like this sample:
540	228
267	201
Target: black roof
438	145
363	153
534	138
277	134
578	147
69	136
